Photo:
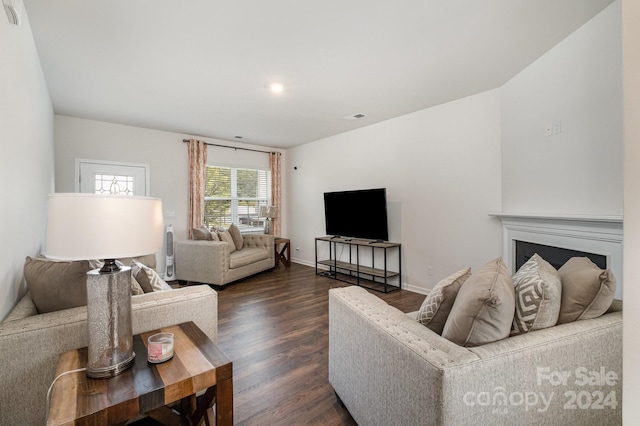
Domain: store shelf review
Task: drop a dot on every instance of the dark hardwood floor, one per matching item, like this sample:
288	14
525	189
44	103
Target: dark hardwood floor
274	327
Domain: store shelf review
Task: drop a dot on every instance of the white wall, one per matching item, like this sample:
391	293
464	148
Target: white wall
26	162
631	72
441	168
578	83
163	151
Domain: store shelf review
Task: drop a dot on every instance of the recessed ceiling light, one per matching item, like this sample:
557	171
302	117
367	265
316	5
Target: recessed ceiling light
276	87
238	137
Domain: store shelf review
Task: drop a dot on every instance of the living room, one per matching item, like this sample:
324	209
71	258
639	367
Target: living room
465	159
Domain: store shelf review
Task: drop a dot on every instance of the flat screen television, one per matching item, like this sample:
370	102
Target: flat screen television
357	214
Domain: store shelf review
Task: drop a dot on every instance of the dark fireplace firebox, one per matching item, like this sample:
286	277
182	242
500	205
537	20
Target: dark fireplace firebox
556	256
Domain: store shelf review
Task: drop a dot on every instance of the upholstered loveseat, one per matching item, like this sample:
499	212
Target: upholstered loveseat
30	342
388	368
222	262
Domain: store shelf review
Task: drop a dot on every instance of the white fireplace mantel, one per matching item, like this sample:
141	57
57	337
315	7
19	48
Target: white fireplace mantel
591	234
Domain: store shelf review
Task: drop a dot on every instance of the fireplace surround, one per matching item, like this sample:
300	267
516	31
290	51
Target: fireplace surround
561	237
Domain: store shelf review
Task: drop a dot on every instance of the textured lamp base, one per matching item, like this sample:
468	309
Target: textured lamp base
110	349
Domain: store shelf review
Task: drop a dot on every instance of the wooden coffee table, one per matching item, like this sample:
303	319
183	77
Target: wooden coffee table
197	365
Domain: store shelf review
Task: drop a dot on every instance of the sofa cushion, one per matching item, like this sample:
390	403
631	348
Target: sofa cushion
538	292
56	285
483	310
247	256
226	237
201	233
236	236
587	290
436	306
148	279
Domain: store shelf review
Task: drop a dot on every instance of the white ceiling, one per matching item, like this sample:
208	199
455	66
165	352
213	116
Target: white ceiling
203	67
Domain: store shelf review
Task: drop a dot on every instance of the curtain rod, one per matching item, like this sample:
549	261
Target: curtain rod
234	147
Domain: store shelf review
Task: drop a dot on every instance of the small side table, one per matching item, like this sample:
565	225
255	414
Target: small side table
197	365
282	255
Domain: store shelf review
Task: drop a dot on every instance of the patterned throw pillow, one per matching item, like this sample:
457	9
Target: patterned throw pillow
538	295
437	305
148	279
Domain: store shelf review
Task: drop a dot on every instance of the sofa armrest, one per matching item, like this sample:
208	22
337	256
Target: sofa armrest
31	346
23	309
386	367
202	261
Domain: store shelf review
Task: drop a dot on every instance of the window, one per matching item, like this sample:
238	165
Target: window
109	177
110	184
235	195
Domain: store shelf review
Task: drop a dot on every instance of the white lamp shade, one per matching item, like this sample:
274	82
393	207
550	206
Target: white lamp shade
90	226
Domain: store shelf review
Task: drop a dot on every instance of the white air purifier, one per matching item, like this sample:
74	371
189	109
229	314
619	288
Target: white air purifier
170	271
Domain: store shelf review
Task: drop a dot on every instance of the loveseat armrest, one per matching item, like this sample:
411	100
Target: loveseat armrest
202	261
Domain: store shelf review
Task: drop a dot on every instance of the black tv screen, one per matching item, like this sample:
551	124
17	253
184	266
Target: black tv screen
357	214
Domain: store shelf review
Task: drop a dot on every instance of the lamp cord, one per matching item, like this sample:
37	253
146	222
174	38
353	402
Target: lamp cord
51	388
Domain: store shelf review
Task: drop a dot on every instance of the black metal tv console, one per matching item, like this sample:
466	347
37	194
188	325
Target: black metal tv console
352	271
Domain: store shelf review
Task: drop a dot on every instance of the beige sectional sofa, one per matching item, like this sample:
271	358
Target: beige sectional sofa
213	262
30	343
387	368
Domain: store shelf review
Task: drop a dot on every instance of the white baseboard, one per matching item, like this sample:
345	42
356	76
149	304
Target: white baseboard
415	289
306	263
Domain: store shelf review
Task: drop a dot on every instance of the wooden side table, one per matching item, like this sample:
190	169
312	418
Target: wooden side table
197	365
282	255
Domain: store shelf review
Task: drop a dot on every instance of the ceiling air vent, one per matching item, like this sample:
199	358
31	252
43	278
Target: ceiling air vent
356	116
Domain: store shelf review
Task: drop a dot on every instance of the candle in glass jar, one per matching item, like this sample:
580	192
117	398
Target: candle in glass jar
160	348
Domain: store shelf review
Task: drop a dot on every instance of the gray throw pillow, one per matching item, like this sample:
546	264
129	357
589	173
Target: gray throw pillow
587	290
56	285
483	310
437	305
538	294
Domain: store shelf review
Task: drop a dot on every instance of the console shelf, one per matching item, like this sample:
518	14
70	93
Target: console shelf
380	279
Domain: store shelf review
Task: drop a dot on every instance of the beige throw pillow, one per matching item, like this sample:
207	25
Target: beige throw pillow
587	290
236	236
56	285
226	236
436	306
538	293
201	233
148	279
483	310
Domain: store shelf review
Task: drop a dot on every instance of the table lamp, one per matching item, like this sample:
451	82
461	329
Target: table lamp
105	227
268	212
